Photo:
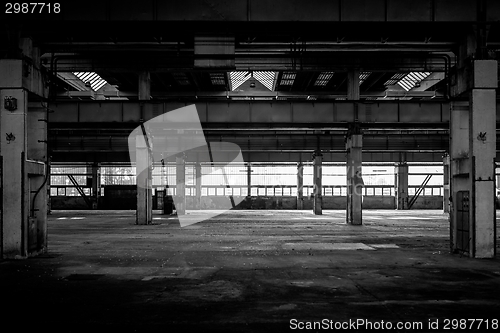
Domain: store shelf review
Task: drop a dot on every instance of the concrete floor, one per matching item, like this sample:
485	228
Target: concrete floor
246	271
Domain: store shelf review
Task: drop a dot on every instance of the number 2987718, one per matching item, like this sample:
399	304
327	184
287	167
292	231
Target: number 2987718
32	8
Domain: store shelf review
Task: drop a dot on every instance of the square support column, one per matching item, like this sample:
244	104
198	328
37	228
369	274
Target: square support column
354	179
249	179
144	160
15	196
317	183
198	185
180	175
446	183
37	181
94	182
472	157
402	186
300	185
23	150
144	182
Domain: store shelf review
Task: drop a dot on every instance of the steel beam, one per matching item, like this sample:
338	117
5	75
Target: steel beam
200	95
255	156
369	59
288	113
265	142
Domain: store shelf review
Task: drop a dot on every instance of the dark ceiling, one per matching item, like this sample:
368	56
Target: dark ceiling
257	50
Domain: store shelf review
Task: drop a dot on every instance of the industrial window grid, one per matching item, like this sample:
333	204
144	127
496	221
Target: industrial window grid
266	179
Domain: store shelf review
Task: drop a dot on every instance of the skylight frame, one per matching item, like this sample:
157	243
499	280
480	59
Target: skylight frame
96	82
323	79
412	79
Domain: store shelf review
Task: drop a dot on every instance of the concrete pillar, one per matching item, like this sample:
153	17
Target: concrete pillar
446	183
300	185
144	181
354	179
23	149
472	154
249	179
96	183
317	183
198	185
180	175
37	157
93	181
14	178
144	161
24	195
354	147
401	186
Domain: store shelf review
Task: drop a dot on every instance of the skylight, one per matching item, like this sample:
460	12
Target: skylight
363	76
413	79
287	78
218	79
237	78
181	78
394	79
323	79
96	82
266	78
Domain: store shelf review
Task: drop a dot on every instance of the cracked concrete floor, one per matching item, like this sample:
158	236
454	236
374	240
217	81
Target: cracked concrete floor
245	271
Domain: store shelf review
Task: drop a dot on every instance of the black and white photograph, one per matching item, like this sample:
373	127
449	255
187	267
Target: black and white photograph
241	166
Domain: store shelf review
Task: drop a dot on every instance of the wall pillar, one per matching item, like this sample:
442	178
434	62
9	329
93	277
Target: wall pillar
354	179
317	183
23	149
472	154
14	178
37	157
94	182
198	185
401	186
300	185
144	179
180	175
249	179
144	161
446	183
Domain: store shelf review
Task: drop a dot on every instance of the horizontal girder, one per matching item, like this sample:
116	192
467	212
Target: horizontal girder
262	113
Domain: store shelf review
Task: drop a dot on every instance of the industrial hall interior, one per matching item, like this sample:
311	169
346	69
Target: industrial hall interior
250	165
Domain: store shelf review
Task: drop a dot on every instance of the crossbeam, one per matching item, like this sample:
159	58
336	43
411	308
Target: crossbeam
403	113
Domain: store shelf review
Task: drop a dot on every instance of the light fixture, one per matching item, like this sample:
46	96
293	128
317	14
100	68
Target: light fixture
252	80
